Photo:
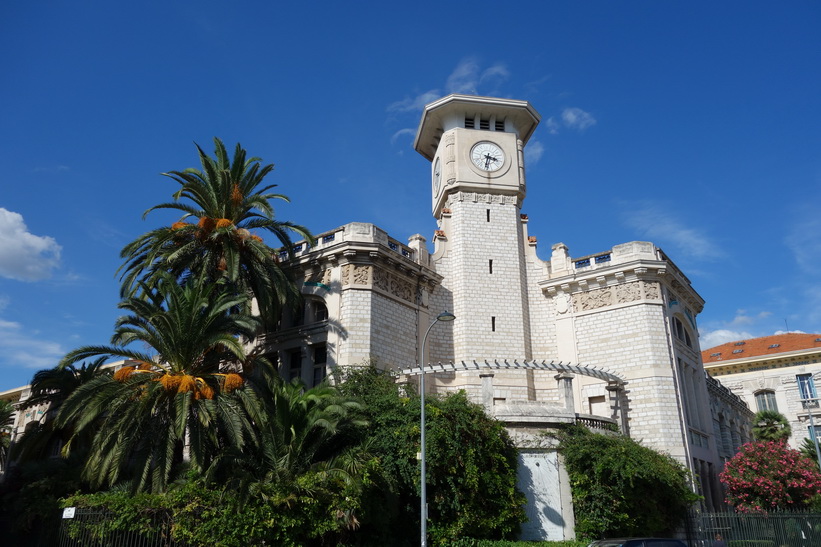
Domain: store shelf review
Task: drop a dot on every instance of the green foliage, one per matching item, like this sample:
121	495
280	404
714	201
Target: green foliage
7	411
771	425
808	449
621	488
313	510
228	198
504	543
471	461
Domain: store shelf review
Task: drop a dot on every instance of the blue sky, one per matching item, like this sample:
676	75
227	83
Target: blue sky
695	125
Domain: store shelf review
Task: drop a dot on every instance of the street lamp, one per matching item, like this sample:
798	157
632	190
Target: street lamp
809	404
423	514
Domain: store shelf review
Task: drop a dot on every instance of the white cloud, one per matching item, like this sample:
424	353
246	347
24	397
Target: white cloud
23	255
804	240
576	118
401	132
464	78
533	152
493	77
413	104
742	318
21	349
552	126
658	223
715	338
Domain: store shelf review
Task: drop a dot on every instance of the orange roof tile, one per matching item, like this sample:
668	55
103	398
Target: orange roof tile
757	347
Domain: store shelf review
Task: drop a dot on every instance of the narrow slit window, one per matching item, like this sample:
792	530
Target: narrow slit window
490	266
493	324
488	215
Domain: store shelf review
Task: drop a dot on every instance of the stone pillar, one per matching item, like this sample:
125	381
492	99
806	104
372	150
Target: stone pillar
487	391
565	380
614	392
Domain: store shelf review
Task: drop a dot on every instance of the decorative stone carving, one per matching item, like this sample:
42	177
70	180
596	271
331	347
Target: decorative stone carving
628	292
393	284
346	275
652	291
591	300
326	276
361	275
562	303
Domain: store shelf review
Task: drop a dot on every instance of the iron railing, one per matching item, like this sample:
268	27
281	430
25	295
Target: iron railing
773	529
80	531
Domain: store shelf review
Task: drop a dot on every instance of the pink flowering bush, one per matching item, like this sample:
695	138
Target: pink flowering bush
770	475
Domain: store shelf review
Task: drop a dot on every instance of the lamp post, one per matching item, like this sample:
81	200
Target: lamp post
809	404
423	514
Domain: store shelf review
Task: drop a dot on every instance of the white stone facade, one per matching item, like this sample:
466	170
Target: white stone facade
627	310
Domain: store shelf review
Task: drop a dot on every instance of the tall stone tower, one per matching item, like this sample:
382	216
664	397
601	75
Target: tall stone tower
475	145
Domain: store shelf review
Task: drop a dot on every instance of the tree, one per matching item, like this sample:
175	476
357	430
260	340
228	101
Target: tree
764	476
771	425
52	387
228	201
808	449
621	488
187	399
472	463
7	412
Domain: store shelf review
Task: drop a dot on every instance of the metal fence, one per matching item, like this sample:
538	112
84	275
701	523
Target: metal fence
778	529
77	529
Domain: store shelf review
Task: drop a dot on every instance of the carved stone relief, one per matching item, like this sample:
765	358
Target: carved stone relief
593	299
562	303
652	291
628	292
361	274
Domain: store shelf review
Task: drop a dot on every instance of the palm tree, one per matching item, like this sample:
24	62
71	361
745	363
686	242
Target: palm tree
185	400
227	201
771	425
52	387
7	412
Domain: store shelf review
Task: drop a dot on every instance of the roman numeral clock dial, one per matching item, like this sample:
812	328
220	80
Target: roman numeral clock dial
487	156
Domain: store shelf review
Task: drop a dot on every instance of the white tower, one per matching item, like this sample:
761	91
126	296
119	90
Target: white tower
476	146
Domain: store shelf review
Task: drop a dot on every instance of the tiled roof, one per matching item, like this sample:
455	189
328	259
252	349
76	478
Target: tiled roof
757	347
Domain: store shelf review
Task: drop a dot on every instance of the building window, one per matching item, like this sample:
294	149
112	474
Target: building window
806	388
681	332
320	362
295	364
319	311
765	400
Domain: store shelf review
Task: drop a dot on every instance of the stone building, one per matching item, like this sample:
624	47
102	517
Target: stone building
776	372
607	339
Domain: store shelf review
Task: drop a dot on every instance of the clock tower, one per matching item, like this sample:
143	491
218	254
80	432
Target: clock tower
475	146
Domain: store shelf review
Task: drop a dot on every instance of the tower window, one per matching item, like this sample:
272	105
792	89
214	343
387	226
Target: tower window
484	124
469	123
488	215
500	125
493	324
490	266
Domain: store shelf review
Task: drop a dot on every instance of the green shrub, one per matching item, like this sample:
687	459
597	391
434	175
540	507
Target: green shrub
621	488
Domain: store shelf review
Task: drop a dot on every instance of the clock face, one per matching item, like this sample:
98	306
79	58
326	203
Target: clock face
487	156
437	175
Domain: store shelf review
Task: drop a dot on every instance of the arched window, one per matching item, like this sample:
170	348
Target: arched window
765	400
